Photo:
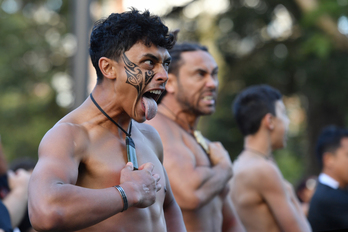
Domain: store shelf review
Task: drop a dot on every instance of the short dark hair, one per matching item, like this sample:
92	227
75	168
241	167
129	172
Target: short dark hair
25	163
176	61
176	51
116	34
329	140
252	104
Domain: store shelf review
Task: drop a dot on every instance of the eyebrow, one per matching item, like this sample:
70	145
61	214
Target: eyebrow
149	55
215	70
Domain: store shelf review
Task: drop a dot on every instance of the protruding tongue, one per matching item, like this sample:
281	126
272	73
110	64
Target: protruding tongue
150	107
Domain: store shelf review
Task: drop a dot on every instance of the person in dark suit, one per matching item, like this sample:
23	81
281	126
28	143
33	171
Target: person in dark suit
328	208
5	221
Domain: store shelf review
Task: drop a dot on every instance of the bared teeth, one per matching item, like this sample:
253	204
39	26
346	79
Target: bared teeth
208	98
156	92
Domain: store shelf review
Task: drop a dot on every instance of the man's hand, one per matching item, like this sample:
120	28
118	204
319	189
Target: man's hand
141	185
18	181
17	199
218	154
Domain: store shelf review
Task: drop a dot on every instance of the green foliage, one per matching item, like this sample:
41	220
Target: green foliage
319	45
27	100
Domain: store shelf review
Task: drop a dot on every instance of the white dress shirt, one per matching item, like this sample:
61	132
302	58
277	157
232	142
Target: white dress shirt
328	180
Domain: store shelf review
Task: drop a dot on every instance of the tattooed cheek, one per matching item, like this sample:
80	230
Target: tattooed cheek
148	76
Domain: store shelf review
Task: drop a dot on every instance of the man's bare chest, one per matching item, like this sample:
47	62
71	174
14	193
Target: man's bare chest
201	157
105	158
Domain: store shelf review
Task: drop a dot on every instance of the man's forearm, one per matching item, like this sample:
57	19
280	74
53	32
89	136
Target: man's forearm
62	211
213	185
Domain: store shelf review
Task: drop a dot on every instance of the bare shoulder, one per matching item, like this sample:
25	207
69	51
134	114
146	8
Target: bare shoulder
165	127
152	137
256	170
147	130
67	136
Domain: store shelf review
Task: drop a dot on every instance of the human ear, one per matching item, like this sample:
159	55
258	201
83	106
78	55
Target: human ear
269	121
107	67
328	159
171	83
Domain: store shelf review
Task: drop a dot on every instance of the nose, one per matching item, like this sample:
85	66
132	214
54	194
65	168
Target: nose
161	75
212	82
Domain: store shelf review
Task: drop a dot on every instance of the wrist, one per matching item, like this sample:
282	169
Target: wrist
123	196
131	194
226	168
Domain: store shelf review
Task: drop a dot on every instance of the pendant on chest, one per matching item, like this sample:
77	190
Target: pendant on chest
131	154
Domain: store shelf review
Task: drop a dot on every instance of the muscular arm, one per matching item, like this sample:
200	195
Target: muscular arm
56	203
288	216
172	212
194	186
231	221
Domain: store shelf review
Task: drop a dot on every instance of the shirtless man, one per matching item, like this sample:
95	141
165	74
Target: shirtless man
265	202
84	155
198	176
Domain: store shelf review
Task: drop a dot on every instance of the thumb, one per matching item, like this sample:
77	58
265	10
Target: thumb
130	166
10	174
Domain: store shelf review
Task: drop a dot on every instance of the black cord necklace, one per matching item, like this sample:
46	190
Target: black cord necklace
131	154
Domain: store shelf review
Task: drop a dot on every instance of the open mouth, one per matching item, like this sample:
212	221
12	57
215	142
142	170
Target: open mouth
208	98
149	101
154	94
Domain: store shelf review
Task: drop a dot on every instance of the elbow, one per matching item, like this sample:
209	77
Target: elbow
46	218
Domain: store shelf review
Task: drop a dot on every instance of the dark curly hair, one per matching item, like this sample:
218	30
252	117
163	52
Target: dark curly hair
116	34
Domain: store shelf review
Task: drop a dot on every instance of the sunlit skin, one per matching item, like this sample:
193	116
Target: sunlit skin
199	181
84	155
265	201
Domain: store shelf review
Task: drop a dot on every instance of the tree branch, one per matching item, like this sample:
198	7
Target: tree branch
325	23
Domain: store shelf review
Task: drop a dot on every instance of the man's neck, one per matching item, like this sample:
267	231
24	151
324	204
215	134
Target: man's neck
258	143
334	177
111	109
175	112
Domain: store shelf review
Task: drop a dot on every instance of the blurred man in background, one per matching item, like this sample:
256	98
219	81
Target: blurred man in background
328	209
198	169
264	201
